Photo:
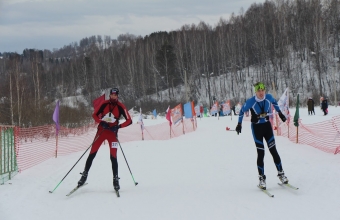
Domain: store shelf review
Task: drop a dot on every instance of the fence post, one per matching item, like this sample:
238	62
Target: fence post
8	164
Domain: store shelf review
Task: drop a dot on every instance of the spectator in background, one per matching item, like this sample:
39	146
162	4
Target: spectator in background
310	104
233	109
324	106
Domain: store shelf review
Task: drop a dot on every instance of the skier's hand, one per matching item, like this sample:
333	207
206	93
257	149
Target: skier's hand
282	116
115	128
104	125
238	128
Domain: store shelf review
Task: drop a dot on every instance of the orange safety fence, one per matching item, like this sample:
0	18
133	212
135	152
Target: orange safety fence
37	144
323	135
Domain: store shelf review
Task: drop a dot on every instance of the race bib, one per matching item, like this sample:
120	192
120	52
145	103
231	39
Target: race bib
114	145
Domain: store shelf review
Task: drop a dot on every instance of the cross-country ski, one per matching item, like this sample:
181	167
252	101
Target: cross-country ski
75	189
288	185
266	192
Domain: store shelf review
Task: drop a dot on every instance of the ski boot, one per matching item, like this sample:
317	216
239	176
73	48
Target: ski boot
282	177
116	183
262	183
83	178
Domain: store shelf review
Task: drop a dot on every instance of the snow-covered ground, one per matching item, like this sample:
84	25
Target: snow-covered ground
207	174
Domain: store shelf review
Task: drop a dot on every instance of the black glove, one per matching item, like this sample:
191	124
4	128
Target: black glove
115	128
283	118
104	125
238	128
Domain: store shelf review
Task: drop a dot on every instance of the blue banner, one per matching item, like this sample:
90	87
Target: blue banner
188	110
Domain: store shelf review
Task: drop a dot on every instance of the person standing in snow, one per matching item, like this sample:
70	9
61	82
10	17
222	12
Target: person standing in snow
107	115
259	106
310	104
324	106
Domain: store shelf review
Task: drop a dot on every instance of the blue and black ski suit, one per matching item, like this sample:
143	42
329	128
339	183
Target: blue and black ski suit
261	128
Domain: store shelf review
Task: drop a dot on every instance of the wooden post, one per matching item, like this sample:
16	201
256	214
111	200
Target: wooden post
170	131
183	126
56	147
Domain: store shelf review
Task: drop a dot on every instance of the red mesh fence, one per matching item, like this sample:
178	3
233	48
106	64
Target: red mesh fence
37	144
323	135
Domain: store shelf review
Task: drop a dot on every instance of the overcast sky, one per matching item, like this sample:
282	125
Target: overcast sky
48	24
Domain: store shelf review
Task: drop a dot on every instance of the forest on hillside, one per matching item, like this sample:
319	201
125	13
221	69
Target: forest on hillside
284	43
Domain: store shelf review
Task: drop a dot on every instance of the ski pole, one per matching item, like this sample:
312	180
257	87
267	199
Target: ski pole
136	183
77	162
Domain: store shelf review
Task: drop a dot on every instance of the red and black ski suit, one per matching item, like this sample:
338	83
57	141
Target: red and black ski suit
117	109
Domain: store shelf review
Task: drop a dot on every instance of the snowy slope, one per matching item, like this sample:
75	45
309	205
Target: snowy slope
207	174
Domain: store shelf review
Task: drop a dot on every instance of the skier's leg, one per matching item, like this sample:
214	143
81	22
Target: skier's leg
258	139
269	137
92	155
113	143
260	157
95	147
89	161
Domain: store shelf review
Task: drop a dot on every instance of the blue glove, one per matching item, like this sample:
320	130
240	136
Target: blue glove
238	128
115	128
104	125
282	116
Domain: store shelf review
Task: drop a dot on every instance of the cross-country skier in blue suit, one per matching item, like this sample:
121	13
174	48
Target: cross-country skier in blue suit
260	108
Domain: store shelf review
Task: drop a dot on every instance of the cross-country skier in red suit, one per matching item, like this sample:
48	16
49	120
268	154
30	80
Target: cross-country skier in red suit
107	115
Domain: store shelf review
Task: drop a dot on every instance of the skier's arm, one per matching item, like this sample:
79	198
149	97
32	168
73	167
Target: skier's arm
123	111
276	106
244	108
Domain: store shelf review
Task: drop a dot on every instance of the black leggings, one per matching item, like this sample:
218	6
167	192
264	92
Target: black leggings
260	131
114	163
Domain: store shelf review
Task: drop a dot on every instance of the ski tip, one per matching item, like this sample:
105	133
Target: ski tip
50	191
136	183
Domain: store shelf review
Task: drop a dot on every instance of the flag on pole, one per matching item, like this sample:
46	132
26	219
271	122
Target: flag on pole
297	115
226	108
176	114
197	111
193	108
284	104
154	113
168	115
56	117
131	111
214	109
98	101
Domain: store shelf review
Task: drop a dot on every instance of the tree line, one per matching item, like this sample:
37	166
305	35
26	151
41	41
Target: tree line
285	43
